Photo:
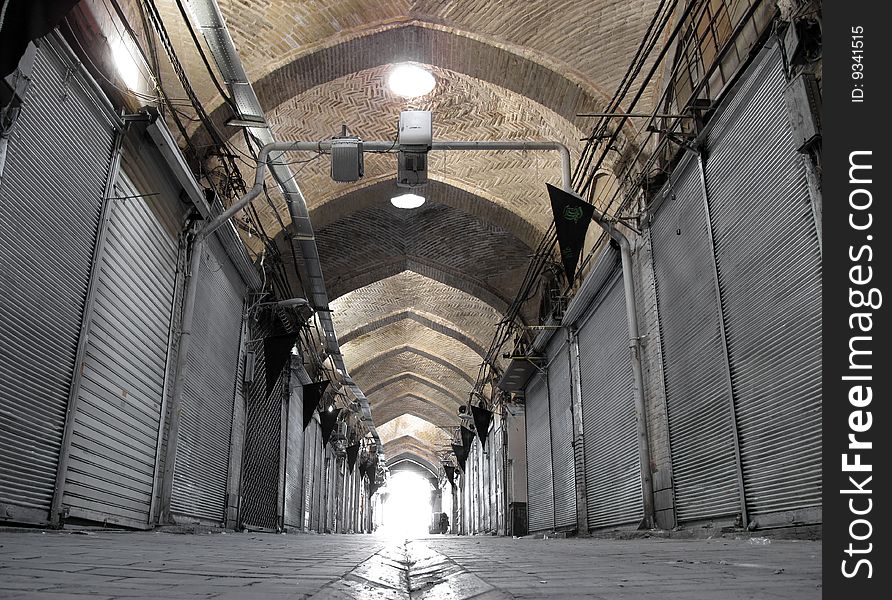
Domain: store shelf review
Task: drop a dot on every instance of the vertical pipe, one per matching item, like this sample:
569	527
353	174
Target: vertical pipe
724	339
647	487
578	434
176	400
89	302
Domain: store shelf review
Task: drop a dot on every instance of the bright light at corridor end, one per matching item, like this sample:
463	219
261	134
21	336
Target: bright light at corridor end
407	511
407	201
410	81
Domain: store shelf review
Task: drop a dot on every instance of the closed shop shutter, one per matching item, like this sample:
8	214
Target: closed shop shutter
540	490
294	465
263	416
613	472
698	397
114	440
561	418
310	445
51	195
202	457
769	266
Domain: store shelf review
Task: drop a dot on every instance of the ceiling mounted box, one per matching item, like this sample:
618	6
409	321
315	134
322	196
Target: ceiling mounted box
416	129
346	159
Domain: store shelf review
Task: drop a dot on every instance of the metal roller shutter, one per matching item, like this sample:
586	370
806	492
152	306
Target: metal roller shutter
263	416
51	197
310	444
769	266
698	395
114	441
540	490
202	458
294	467
613	473
561	418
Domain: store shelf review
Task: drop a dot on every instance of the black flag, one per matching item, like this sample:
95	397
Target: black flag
352	453
329	418
312	393
276	352
22	21
482	418
460	455
450	474
572	215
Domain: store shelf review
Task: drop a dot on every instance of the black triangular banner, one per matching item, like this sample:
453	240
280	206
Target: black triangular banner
352	453
467	438
572	215
482	418
460	455
329	419
312	394
450	474
276	352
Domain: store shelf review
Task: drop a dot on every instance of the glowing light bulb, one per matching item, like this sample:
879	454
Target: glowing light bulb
407	201
410	81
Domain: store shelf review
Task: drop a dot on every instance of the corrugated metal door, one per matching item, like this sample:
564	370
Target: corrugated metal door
769	266
540	481
310	444
561	418
51	197
117	420
263	416
202	458
613	473
294	467
698	396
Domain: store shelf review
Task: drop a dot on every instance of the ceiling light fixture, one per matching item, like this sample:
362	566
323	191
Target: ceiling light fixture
407	201
409	81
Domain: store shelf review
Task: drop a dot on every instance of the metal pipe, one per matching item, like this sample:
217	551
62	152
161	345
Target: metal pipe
263	159
637	374
176	399
649	115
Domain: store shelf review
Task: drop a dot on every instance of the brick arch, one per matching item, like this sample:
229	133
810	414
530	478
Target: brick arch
379	369
415	378
408	460
396	352
361	277
410	332
416	403
554	86
369	192
429	321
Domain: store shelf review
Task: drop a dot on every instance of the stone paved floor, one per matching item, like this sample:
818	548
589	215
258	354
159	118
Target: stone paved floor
103	565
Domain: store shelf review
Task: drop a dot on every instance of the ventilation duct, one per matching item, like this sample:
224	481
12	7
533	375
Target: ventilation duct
206	15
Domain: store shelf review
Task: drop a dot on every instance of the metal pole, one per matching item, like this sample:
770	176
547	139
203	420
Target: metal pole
263	158
578	434
176	400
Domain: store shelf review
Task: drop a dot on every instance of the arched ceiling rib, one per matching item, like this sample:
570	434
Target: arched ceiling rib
415	427
410	332
431	301
416	403
403	357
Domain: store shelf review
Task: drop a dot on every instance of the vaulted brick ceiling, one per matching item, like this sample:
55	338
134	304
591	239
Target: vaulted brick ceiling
416	294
